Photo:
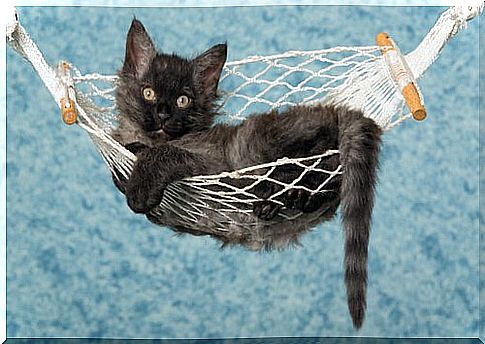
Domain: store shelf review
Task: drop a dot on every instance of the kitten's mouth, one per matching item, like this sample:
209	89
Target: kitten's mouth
169	130
173	128
155	132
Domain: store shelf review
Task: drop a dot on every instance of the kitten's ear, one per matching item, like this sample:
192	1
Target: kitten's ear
208	68
140	50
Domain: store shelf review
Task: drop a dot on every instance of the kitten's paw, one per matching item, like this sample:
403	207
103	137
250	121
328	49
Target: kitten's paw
266	210
295	198
313	203
143	197
139	204
306	202
264	189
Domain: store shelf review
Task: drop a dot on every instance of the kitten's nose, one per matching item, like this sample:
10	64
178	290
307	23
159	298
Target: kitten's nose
164	116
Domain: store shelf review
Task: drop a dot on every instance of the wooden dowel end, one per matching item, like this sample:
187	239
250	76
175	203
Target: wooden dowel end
69	113
400	72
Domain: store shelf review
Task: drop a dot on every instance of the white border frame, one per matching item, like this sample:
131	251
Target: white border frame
4	6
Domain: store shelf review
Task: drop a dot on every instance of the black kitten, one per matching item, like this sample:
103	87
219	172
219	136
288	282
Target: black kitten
156	94
167	106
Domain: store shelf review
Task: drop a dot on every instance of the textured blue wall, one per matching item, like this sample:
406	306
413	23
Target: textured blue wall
482	177
81	264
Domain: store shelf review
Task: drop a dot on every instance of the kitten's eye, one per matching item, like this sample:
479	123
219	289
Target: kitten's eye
183	102
148	93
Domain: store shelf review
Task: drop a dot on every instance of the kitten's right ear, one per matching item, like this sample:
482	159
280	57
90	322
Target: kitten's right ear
140	50
208	68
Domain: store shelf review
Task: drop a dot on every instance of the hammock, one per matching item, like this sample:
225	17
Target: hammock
378	80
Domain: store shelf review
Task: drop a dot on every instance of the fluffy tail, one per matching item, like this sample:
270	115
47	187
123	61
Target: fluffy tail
359	149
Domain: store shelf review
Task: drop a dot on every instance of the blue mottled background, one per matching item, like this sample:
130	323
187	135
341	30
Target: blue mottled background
81	264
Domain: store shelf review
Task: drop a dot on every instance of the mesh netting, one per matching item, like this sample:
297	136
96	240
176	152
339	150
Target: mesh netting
221	205
212	204
263	83
215	204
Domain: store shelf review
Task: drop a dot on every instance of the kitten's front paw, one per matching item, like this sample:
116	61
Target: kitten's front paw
142	198
144	191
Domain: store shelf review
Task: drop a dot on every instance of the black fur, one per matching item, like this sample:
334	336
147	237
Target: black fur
359	151
172	144
170	76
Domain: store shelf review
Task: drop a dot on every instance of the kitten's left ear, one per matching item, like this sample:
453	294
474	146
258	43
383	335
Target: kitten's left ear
208	68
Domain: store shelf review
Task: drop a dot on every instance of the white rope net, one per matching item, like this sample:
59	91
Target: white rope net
358	77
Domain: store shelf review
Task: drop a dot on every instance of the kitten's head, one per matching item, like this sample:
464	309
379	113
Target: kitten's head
167	94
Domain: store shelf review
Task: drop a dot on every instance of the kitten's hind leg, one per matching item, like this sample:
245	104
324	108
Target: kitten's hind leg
296	197
308	202
265	209
282	175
